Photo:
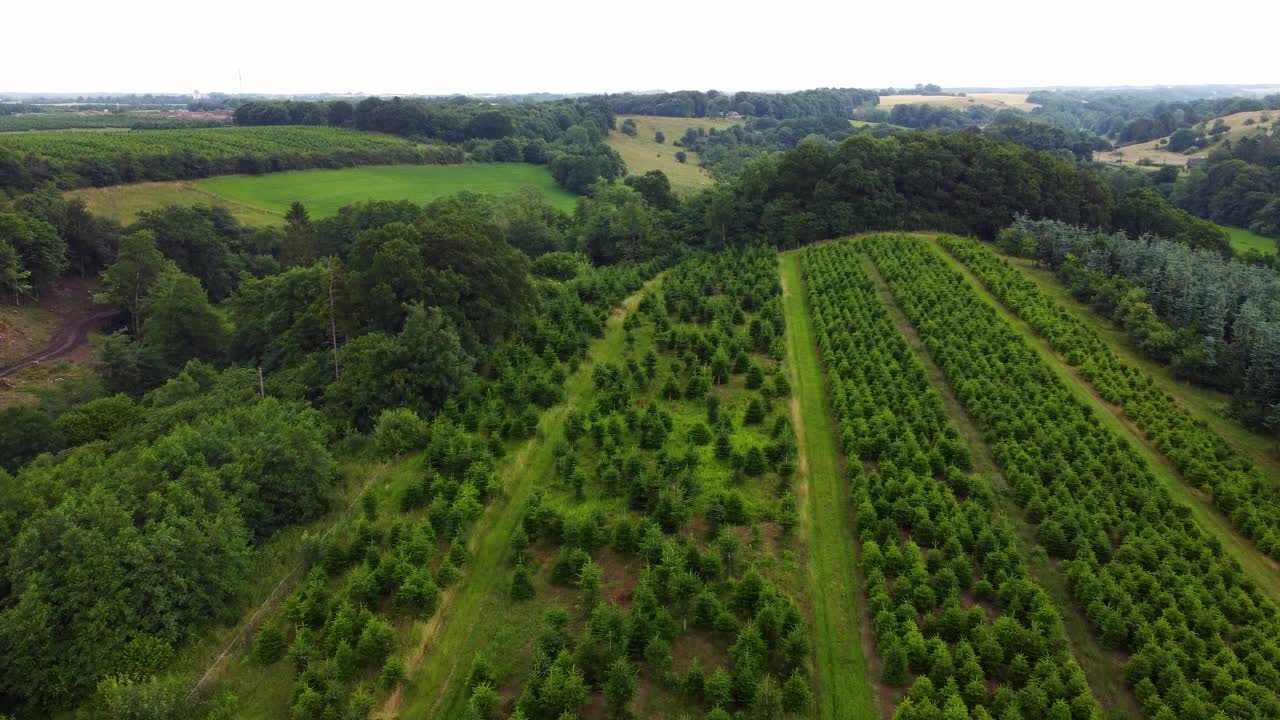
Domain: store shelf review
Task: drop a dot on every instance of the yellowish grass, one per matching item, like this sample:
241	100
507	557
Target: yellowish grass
999	101
1263	120
122	203
642	154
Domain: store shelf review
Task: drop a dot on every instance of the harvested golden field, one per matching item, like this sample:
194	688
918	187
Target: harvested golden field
1154	153
642	153
999	101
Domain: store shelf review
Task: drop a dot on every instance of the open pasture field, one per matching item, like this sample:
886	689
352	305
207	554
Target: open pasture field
263	199
643	154
999	101
1243	240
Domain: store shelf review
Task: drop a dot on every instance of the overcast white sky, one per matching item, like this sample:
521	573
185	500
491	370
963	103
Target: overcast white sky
426	46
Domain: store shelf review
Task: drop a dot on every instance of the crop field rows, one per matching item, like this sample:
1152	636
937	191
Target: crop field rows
1169	606
869	478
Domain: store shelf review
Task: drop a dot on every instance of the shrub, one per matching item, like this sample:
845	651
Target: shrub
398	431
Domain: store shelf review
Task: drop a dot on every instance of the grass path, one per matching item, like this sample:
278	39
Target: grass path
1262	569
841	640
1103	668
477	610
1202	403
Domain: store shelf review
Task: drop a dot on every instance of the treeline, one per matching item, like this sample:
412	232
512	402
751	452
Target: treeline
959	183
1212	319
1013	126
43	236
724	151
68	121
1200	637
837	102
566	135
82	159
1239	489
1239	185
931	533
1137	116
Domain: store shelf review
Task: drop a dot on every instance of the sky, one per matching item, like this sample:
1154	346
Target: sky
498	46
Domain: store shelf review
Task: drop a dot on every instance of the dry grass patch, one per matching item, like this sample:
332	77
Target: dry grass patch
998	101
642	153
1153	153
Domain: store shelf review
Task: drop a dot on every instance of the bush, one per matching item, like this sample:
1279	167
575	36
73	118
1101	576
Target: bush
521	584
268	645
393	672
399	431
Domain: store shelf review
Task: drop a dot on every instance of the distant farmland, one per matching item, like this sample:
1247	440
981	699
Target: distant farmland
263	199
999	101
642	153
1154	152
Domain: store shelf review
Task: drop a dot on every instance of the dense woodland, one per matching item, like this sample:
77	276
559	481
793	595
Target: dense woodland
822	102
1239	185
1211	318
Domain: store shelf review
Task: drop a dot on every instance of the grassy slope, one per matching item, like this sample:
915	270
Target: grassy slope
1102	667
1261	568
642	154
324	191
122	203
1242	240
997	101
844	690
477	614
1203	403
1154	150
263	199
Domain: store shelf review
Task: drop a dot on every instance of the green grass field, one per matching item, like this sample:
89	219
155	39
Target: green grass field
263	199
1242	240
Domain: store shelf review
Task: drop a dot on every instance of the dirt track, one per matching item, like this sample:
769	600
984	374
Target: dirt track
69	337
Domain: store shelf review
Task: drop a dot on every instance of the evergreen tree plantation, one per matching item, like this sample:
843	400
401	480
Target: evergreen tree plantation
842	403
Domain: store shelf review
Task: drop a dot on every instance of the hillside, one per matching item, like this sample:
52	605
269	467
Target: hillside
263	199
1156	152
642	153
998	101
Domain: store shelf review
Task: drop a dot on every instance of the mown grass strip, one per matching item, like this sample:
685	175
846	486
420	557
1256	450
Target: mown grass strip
844	688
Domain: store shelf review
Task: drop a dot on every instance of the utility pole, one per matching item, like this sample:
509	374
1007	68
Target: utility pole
262	391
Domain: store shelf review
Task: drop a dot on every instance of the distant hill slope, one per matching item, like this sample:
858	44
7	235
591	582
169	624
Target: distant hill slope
1156	153
642	153
998	101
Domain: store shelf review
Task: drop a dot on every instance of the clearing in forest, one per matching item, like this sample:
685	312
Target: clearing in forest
643	153
1243	241
263	199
